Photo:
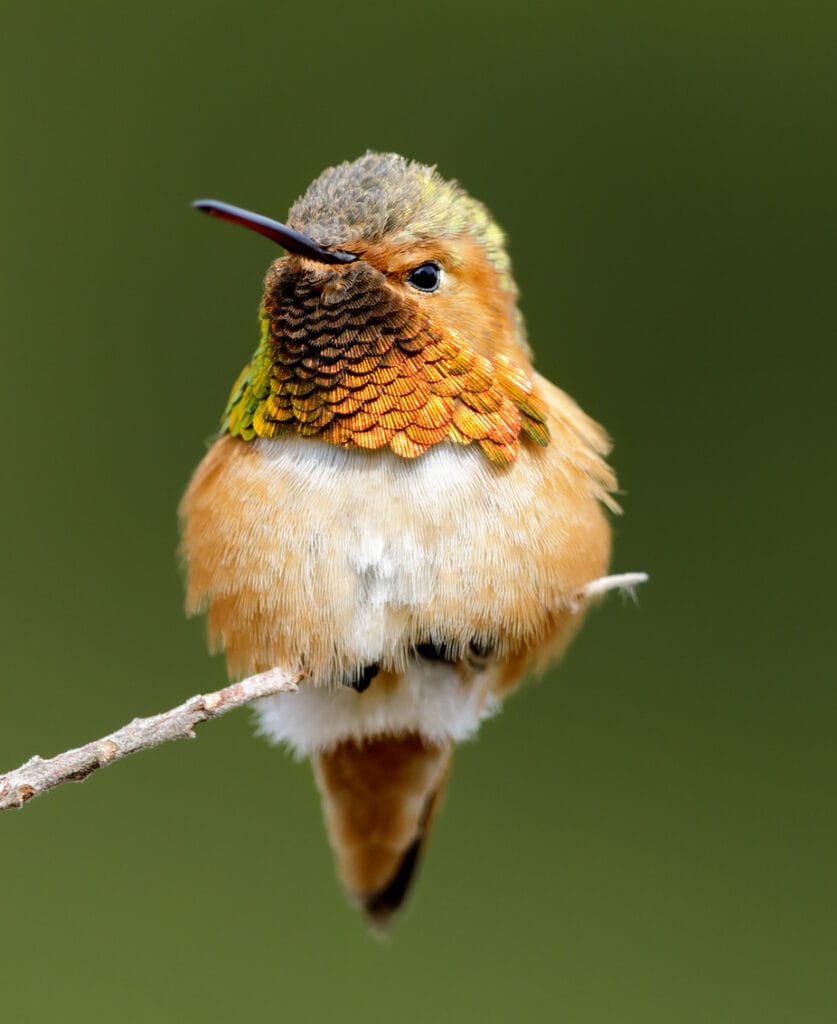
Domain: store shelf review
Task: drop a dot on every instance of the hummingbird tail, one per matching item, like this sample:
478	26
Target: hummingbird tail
379	798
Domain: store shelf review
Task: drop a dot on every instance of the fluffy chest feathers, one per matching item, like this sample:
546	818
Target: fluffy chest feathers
309	555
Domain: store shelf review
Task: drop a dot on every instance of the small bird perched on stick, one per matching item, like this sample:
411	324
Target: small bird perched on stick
398	507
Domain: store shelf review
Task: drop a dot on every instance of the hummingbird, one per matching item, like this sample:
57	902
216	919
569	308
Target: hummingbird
398	507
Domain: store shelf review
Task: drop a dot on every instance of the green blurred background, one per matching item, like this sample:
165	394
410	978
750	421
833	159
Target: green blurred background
647	835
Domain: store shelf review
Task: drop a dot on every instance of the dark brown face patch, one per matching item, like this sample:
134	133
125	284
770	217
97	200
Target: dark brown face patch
350	360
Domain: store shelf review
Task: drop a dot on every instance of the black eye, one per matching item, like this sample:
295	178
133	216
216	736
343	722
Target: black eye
426	277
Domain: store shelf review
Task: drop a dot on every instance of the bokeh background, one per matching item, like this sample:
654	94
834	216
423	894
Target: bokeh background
646	835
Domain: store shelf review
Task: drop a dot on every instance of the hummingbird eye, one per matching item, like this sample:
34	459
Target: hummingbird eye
426	277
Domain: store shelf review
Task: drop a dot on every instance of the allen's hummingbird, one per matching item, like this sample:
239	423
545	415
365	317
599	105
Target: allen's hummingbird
398	507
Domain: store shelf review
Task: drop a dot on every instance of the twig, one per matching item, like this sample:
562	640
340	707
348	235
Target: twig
626	582
36	776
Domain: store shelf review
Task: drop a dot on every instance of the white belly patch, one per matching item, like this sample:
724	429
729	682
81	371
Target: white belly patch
392	545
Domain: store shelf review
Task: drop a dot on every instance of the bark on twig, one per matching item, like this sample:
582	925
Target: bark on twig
37	775
625	581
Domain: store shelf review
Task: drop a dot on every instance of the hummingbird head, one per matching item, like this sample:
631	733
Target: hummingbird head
394	304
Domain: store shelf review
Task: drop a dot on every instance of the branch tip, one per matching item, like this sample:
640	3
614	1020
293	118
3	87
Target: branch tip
37	775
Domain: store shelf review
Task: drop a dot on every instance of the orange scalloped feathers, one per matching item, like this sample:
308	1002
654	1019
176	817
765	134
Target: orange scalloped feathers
374	377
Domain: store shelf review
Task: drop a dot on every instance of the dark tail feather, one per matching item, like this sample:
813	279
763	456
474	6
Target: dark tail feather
368	790
380	906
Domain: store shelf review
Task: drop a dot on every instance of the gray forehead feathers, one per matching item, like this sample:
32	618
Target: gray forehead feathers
382	194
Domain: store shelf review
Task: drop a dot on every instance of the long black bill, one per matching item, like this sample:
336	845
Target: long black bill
289	239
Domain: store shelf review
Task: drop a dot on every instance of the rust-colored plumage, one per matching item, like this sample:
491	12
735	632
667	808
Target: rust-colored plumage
400	507
379	798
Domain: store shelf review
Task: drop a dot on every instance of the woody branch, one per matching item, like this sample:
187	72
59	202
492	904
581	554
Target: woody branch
37	775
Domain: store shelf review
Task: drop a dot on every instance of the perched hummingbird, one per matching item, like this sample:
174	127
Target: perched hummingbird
398	507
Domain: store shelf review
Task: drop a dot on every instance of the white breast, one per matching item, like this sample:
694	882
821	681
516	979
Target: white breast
398	520
383	531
